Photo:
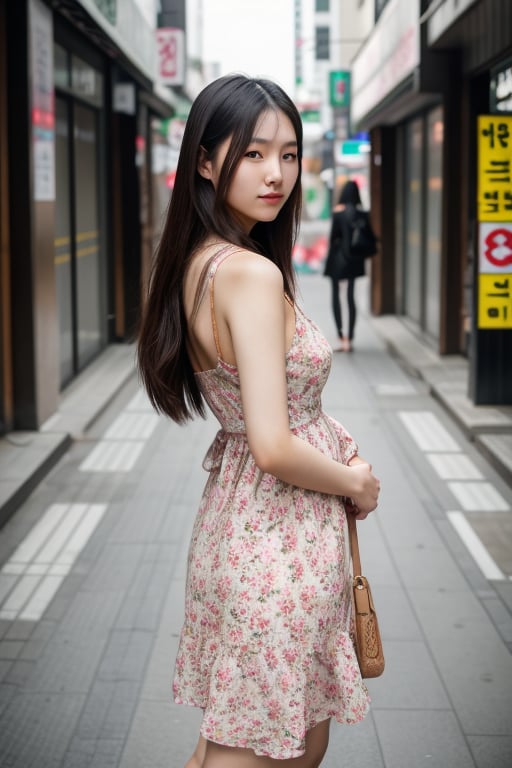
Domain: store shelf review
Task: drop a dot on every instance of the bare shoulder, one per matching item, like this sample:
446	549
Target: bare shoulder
247	267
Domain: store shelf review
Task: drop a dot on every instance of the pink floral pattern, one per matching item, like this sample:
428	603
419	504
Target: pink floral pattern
265	649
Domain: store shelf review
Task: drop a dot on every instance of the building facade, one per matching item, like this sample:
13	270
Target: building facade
420	81
78	94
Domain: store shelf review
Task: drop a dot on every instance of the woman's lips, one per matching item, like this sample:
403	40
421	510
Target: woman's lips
272	198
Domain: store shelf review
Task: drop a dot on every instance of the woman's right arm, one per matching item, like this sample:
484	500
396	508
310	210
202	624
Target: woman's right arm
250	297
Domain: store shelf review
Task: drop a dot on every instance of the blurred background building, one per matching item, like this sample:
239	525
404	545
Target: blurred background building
94	95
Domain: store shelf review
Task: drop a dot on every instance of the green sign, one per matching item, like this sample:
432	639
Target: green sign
310	116
339	88
352	147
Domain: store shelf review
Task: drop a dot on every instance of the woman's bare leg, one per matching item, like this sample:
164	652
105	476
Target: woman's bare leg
196	761
317	740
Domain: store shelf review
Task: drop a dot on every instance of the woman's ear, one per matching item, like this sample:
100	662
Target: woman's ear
204	166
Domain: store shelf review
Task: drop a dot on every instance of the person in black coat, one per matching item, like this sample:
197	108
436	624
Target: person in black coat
339	265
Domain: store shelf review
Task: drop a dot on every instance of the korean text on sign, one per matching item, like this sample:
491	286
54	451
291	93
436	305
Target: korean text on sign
494	168
495	301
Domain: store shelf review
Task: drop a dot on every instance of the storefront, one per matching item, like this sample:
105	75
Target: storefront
400	98
77	193
484	99
420	82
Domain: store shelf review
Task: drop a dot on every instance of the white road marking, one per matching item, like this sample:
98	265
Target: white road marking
454	466
31	577
478	497
394	390
112	456
132	426
479	553
463	478
124	440
427	431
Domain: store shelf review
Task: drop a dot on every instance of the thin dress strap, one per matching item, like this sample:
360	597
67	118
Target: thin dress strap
215	263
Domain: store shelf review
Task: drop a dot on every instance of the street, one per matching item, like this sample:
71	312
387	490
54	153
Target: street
93	568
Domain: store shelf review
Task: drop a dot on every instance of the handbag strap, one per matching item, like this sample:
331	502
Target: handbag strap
354	544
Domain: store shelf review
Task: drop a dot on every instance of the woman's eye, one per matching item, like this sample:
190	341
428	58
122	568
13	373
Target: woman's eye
253	154
290	156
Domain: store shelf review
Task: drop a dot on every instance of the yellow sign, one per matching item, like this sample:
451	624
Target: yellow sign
494	168
495	301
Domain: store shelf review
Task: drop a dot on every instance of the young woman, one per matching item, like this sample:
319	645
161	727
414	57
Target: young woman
337	266
265	649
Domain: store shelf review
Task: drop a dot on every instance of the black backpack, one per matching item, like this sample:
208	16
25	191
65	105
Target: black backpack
363	241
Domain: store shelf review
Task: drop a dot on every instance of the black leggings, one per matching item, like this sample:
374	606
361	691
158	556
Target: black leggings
336	306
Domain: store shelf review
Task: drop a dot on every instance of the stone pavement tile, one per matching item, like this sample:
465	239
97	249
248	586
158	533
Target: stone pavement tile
108	753
104	723
433	570
137	520
162	736
25	459
120	703
142	606
115	566
159	673
493	446
471	658
5	626
125	656
397	620
470	417
162	733
7	692
70	661
376	560
410	681
10	649
23	630
178	519
354	745
88	395
93	715
499	612
504	589
421	739
80	755
18	675
495	530
491	751
32	741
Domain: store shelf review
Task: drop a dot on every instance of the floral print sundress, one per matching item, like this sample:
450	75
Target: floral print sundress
265	648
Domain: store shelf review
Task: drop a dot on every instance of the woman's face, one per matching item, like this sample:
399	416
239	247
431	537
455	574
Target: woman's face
266	173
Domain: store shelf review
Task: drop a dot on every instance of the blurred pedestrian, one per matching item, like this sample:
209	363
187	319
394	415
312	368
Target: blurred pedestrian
345	258
265	649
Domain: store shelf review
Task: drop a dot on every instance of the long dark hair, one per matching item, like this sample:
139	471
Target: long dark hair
349	195
227	108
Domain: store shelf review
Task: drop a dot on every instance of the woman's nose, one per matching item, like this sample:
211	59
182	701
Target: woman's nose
273	172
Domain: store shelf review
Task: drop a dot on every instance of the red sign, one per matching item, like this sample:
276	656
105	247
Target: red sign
495	248
499	247
171	55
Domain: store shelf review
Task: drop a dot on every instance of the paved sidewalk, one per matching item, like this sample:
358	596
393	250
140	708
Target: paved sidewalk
26	457
91	589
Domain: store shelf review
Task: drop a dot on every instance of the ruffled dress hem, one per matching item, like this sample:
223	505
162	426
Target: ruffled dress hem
330	686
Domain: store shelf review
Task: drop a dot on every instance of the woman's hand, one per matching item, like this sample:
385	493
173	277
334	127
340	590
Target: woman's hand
365	494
